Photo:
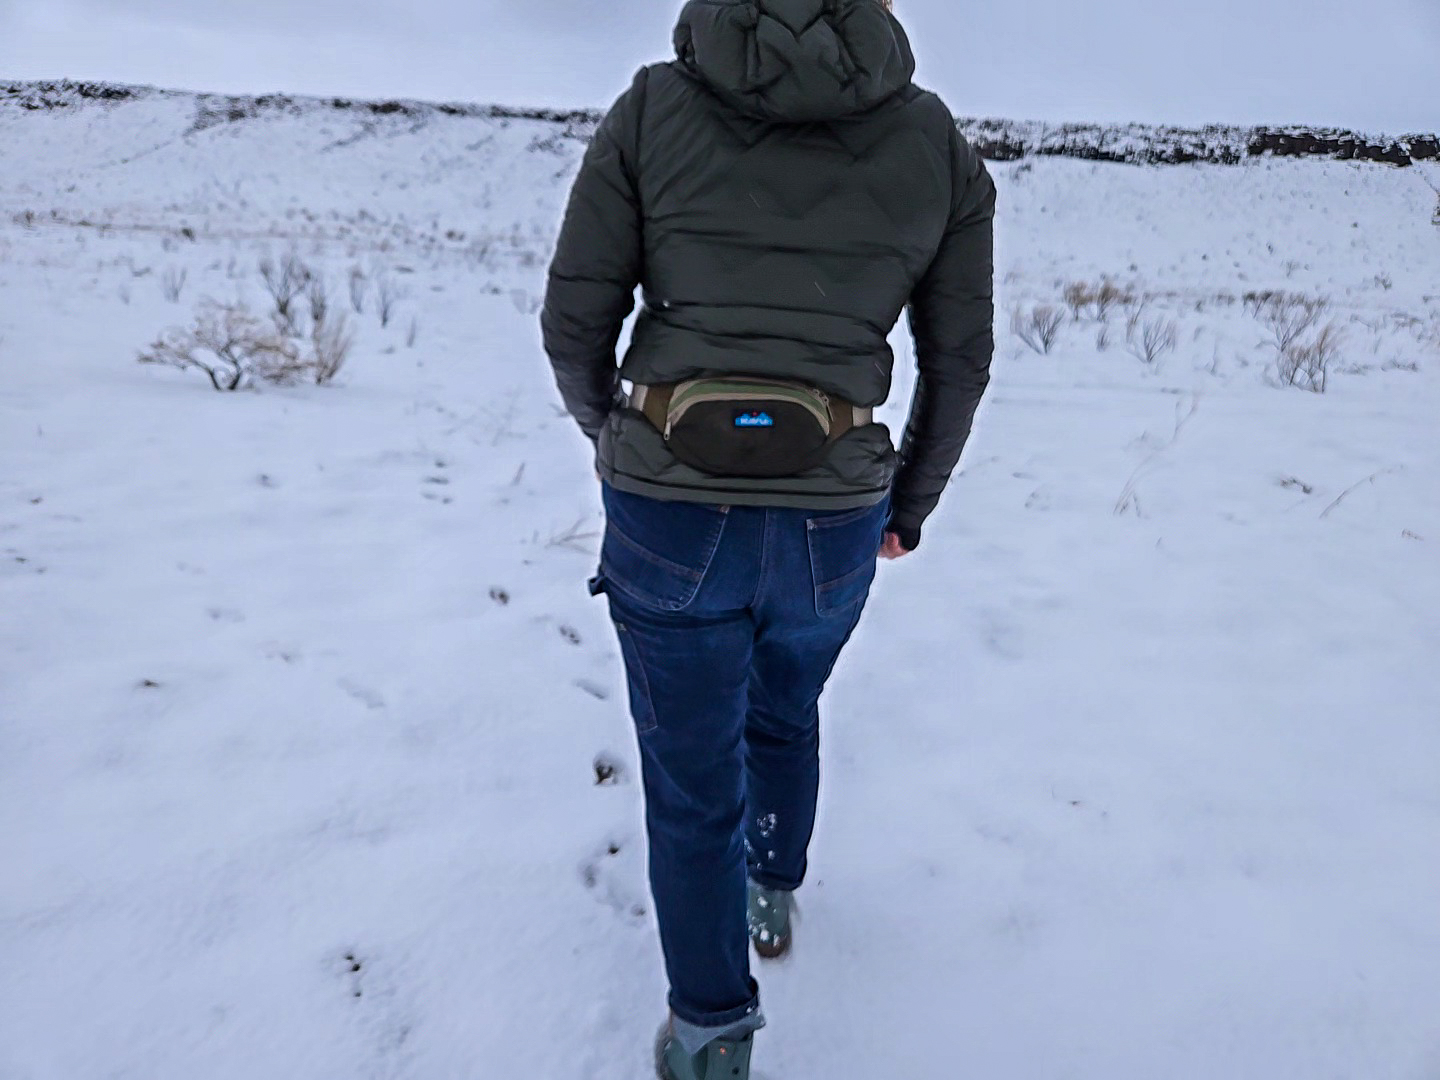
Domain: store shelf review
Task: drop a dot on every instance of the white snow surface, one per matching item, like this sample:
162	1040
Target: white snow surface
1130	771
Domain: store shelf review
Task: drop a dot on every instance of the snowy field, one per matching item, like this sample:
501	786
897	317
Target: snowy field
1132	771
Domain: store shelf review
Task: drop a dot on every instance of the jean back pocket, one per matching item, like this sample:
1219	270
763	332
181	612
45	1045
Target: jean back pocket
844	548
657	553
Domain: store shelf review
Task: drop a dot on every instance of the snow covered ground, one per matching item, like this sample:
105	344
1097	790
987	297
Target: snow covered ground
1130	771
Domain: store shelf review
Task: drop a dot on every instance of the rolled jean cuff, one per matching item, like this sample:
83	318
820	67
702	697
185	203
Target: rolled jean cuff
732	1024
773	883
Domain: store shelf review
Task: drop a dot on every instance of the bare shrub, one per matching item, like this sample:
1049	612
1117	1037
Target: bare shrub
1102	337
285	281
1078	297
388	293
1037	328
1435	215
1133	317
477	252
1110	296
358	285
1152	341
172	283
1129	500
412	333
1099	300
317	295
1307	364
331	340
231	345
1287	316
1263	303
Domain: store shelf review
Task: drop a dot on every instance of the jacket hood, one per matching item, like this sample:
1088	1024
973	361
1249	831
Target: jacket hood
796	60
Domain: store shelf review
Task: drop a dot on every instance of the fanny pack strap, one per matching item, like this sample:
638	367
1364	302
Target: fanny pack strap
654	401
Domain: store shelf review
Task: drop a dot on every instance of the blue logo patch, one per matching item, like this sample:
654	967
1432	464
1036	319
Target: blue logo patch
755	419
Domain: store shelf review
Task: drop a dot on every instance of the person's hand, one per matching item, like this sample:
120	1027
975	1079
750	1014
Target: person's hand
892	548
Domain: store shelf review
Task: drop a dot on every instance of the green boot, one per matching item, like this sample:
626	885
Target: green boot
769	917
722	1059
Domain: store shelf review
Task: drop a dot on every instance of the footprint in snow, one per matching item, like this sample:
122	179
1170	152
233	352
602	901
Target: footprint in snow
371	699
570	634
1039	500
388	1028
1001	636
25	562
598	690
1019	925
615	876
353	968
608	769
225	615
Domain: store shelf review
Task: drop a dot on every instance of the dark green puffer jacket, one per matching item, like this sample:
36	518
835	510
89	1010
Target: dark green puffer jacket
782	191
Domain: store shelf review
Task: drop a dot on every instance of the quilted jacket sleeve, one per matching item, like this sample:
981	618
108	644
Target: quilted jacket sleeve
952	317
597	266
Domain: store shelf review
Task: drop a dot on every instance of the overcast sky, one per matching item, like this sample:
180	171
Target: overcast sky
1368	64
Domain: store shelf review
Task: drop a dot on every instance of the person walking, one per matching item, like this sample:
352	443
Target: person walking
781	192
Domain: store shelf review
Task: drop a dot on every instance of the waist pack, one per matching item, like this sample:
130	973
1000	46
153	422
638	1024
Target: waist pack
747	426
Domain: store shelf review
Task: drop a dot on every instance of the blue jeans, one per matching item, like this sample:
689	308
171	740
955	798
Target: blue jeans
730	619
